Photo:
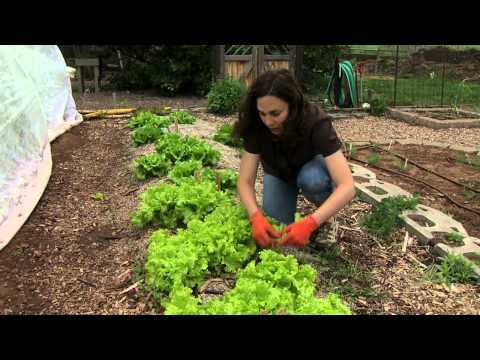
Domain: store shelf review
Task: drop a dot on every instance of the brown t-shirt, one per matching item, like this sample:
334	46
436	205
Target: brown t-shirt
285	161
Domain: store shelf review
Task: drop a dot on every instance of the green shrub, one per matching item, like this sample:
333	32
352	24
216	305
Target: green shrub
169	69
225	96
378	105
318	61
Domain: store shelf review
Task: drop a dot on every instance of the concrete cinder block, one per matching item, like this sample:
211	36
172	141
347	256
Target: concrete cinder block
375	191
436	221
362	172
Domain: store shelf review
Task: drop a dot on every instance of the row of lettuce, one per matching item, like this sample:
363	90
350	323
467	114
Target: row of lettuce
203	231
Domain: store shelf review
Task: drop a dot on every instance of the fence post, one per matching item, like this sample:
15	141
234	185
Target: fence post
443	83
395	80
221	53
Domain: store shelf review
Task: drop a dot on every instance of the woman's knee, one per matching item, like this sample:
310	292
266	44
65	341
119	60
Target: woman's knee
314	177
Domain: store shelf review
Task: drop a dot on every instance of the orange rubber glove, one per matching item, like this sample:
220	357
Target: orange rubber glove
262	231
299	233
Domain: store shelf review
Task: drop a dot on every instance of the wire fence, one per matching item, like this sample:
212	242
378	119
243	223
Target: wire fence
418	75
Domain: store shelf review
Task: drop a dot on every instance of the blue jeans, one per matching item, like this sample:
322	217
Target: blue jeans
280	197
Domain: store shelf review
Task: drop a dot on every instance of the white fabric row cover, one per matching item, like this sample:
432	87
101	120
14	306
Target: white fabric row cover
36	106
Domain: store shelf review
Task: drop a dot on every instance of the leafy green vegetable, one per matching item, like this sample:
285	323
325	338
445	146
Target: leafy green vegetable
222	242
172	205
276	285
144	118
146	134
155	164
225	136
192	169
183	117
225	178
184	169
177	148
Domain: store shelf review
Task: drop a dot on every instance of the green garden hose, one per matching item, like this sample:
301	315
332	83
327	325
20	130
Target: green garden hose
343	76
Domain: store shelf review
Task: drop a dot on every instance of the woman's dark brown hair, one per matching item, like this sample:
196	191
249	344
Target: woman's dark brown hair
278	83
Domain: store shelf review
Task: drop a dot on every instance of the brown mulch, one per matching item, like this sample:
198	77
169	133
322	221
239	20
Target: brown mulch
76	255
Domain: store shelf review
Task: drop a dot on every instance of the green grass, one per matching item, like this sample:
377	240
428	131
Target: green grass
373	159
389	50
424	91
400	164
470	160
451	269
455	237
471	196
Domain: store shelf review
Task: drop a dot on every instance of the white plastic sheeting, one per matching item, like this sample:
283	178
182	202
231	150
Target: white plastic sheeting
36	106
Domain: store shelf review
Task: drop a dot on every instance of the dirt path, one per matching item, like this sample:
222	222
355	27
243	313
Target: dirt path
67	256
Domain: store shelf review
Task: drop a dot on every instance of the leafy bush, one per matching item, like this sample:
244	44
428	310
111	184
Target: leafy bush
318	61
378	105
170	69
225	136
384	218
225	96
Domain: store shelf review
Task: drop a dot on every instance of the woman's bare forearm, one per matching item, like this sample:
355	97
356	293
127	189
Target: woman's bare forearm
340	197
246	192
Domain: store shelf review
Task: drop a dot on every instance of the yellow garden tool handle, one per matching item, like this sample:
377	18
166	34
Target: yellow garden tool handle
101	113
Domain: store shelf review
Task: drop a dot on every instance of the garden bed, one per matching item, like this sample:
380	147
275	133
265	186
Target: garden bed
436	118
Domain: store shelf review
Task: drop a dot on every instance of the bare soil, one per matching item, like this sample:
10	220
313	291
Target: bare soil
440	160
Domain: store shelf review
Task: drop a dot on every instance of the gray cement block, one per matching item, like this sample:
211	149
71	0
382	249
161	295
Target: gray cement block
436	221
375	191
361	172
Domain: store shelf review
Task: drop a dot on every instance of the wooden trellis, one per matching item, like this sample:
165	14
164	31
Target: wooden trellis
247	62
